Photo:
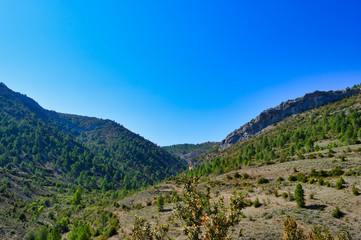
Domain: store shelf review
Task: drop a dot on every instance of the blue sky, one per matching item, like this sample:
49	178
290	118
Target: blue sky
177	71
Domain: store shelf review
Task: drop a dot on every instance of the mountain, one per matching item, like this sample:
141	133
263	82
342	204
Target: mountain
74	177
108	148
284	110
333	124
190	152
44	153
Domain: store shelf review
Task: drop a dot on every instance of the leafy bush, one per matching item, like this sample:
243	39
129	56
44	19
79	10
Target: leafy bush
262	180
256	203
339	183
355	191
193	208
280	179
237	175
301	177
336	213
292	178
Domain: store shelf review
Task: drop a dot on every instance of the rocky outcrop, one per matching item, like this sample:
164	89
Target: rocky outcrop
282	111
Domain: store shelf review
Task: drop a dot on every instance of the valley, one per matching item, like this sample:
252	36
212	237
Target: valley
73	177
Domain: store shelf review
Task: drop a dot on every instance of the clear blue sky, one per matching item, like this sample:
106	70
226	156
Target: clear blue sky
177	71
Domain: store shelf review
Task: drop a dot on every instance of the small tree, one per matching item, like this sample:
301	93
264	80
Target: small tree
80	232
76	198
339	183
160	203
291	231
299	196
355	191
256	203
203	220
337	213
142	231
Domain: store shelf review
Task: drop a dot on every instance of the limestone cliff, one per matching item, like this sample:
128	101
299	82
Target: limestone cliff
282	111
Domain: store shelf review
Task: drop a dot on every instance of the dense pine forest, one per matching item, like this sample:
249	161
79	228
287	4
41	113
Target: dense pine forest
44	153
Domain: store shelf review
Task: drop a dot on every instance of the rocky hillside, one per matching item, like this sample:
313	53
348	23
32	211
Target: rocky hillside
282	111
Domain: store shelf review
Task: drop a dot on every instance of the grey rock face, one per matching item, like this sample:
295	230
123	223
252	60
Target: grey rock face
282	111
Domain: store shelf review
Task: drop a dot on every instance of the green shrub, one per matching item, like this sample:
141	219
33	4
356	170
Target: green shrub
339	183
245	176
256	203
355	191
111	231
311	180
336	171
275	193
22	216
30	235
292	178
301	177
237	175
312	195
284	195
337	213
262	180
137	206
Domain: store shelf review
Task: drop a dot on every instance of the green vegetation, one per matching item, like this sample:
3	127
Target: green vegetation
291	231
299	196
292	138
336	213
65	175
339	183
201	218
160	203
355	191
256	203
57	165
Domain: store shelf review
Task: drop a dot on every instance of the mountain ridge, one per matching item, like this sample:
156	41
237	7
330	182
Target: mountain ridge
282	111
105	138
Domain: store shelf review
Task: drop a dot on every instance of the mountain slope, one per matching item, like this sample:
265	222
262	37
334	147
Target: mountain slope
45	154
125	157
284	110
337	124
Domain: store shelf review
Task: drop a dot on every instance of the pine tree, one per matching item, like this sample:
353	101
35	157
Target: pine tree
76	198
299	196
160	203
